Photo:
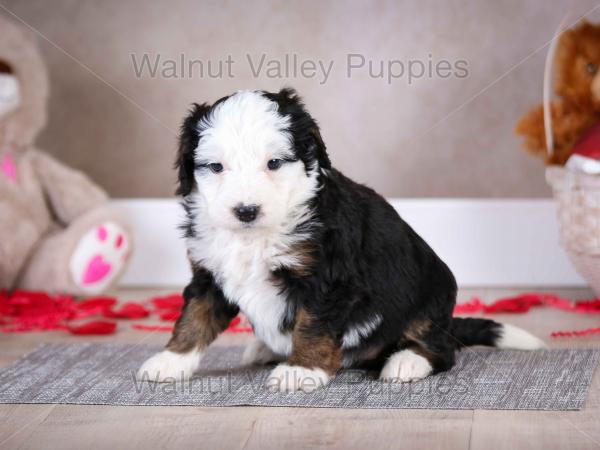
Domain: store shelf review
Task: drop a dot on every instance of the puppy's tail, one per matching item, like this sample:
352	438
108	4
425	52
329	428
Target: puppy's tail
472	331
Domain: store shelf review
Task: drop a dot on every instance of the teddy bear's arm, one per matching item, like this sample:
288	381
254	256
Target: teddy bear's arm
567	125
531	127
70	193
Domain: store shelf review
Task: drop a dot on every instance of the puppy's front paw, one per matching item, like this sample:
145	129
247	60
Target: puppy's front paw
257	352
285	378
405	366
168	366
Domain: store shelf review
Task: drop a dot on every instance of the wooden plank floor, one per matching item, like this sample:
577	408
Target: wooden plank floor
122	427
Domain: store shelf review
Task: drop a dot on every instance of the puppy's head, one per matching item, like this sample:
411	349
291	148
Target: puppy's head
251	160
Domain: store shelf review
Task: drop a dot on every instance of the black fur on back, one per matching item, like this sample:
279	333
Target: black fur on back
372	263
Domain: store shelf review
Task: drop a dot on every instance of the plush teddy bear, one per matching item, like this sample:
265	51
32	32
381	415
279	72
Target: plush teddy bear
57	232
577	109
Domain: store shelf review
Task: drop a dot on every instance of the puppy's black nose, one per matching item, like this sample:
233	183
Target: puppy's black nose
246	213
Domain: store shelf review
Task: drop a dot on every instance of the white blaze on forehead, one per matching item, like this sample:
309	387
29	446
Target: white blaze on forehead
245	129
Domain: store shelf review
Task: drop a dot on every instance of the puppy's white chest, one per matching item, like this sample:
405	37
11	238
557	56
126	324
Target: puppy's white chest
242	268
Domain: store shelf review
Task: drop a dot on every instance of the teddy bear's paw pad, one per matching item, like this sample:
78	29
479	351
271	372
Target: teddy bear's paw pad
99	256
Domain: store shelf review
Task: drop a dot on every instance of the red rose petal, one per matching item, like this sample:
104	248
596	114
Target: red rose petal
588	306
575	333
472	306
170	316
96	303
174	301
94	327
128	311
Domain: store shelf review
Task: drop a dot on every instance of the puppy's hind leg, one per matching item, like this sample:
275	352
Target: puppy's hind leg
205	314
423	352
405	366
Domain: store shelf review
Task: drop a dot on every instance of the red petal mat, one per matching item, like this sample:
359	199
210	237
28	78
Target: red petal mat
24	311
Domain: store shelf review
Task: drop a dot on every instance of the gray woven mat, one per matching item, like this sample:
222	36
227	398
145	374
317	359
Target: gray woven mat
103	374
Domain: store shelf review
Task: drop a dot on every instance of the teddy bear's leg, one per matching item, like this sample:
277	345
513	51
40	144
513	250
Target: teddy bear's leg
85	258
17	239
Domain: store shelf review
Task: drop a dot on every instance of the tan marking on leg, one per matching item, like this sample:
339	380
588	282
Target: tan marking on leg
312	350
414	340
416	329
197	327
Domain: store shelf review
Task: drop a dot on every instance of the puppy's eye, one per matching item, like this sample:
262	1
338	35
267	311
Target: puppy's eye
591	68
216	167
274	164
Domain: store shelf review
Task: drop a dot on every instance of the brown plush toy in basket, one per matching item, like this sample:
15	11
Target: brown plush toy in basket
566	132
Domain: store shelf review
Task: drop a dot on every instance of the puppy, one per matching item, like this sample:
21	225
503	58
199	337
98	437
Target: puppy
324	269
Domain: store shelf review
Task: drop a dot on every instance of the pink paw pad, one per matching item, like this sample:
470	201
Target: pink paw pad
99	257
102	234
97	268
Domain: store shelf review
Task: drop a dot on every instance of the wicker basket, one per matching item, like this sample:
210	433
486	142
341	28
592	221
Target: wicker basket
577	198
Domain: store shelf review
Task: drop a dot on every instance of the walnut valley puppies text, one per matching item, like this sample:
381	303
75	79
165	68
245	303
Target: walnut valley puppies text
292	67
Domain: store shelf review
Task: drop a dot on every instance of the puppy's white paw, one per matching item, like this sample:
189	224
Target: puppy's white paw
168	366
285	378
257	352
405	366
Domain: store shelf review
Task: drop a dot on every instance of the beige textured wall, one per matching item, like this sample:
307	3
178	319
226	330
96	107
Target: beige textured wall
434	137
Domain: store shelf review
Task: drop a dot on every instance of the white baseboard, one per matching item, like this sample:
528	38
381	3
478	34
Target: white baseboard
486	243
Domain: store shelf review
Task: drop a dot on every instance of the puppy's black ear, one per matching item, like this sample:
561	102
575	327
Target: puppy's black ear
188	141
320	149
304	129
